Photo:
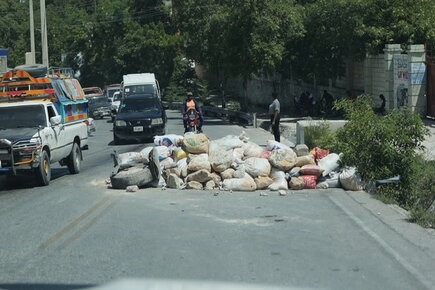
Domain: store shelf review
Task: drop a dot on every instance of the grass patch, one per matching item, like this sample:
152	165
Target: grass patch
423	218
315	133
385	199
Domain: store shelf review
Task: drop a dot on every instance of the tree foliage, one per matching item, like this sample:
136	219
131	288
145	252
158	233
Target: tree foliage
102	39
108	38
340	29
238	37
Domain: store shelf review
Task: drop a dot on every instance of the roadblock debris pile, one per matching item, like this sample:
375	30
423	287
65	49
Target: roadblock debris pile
231	163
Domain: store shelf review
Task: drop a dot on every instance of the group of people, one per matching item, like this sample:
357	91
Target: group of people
306	103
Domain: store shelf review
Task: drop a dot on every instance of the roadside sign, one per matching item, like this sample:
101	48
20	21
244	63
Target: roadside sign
4	52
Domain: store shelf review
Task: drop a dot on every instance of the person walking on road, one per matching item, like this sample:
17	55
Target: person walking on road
274	112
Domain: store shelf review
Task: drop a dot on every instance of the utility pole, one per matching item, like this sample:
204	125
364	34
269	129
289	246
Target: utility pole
32	33
44	40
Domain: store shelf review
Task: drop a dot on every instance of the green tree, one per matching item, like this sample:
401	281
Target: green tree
239	38
337	30
14	30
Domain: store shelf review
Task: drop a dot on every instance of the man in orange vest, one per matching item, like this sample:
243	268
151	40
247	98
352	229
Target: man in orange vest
191	103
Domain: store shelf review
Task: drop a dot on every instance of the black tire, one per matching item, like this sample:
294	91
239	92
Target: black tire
139	176
35	70
74	159
43	172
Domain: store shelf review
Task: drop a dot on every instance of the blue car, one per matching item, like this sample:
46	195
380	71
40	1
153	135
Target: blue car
139	117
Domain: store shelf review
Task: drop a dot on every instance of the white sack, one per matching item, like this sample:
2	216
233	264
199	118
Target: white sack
279	181
163	151
170	140
227	143
350	180
252	149
284	159
329	163
221	160
257	166
197	162
272	145
182	166
240	184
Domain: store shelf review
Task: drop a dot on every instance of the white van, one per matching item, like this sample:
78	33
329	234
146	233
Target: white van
141	83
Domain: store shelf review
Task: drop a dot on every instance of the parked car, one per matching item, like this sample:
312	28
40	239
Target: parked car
93	92
111	89
139	117
99	107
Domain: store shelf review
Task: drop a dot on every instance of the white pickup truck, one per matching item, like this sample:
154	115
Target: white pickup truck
32	137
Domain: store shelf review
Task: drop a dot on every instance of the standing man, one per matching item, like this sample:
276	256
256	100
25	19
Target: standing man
274	111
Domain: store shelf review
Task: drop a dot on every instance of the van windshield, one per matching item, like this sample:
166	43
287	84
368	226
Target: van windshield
139	89
151	105
111	92
22	117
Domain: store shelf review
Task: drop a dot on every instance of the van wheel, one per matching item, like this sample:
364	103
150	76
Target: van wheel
74	159
43	172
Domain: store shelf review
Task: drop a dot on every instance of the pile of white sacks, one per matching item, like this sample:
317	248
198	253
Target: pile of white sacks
237	164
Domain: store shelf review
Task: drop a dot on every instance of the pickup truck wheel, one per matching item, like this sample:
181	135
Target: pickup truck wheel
43	172
74	159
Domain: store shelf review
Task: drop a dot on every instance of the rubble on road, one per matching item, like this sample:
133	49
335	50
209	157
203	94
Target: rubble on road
231	163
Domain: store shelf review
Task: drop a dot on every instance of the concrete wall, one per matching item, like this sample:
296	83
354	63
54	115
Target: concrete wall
373	75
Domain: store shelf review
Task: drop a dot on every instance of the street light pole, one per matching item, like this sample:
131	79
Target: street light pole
44	40
32	33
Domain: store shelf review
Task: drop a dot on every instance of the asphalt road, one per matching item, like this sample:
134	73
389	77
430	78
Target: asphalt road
77	232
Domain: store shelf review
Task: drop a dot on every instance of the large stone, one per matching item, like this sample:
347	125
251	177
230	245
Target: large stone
199	176
170	171
240	172
296	183
194	185
210	185
174	181
227	174
263	182
221	160
215	177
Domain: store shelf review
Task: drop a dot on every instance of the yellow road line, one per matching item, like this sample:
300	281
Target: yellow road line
72	224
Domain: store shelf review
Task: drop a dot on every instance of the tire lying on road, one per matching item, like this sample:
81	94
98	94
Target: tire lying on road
140	176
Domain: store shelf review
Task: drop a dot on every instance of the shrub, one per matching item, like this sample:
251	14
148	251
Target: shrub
381	146
315	133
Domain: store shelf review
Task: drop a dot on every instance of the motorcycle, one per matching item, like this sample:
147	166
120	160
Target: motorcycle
192	121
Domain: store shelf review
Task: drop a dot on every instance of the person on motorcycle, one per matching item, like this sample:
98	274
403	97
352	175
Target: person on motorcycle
191	103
